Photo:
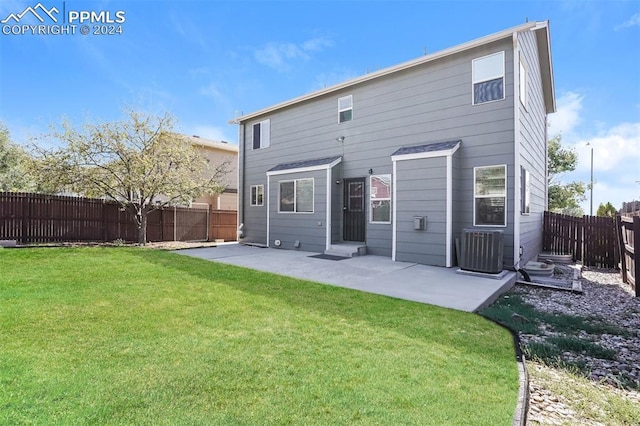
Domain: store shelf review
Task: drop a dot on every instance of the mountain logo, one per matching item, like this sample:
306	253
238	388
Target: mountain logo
34	11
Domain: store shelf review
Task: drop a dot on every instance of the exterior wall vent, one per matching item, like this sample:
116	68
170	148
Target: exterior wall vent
481	250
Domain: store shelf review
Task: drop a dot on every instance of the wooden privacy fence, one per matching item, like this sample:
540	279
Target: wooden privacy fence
589	239
629	242
38	218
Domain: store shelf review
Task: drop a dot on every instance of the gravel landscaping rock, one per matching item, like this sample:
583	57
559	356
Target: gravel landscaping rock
605	299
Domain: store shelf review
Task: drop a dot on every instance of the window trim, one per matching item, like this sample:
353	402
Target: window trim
259	191
371	199
525	195
475	197
295	196
340	110
492	77
265	134
522	83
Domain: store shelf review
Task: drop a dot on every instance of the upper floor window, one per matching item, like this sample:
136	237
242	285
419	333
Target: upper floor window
523	82
488	78
490	196
262	134
345	108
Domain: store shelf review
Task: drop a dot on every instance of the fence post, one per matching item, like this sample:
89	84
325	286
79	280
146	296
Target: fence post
636	253
623	258
25	219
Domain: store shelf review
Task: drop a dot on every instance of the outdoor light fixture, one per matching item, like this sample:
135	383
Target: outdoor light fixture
370	171
340	139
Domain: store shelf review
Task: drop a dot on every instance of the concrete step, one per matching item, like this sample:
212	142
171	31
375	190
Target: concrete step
347	250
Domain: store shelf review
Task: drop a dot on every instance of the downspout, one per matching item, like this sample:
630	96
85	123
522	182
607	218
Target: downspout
517	137
241	195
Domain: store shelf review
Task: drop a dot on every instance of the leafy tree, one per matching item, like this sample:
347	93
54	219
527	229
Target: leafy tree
606	210
139	162
563	198
14	162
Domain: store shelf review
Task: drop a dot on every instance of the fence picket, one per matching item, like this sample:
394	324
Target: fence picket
589	239
39	218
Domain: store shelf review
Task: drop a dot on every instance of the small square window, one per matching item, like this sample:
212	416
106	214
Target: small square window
345	108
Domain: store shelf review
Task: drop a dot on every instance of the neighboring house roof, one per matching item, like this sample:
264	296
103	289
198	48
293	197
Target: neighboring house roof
430	147
305	164
544	53
209	143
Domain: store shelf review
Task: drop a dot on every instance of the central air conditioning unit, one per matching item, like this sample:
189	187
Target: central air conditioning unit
481	250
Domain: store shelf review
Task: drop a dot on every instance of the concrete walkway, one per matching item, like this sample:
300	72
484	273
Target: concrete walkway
373	274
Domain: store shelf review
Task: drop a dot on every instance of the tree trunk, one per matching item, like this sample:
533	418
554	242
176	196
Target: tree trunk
142	228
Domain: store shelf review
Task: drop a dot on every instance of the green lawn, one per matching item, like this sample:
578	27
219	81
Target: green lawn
133	336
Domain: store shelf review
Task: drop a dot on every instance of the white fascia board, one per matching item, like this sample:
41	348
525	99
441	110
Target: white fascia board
268	208
328	210
409	64
394	203
449	213
545	61
305	169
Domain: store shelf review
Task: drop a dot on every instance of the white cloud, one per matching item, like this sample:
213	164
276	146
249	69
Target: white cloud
631	22
567	116
316	44
280	56
210	91
615	149
616	165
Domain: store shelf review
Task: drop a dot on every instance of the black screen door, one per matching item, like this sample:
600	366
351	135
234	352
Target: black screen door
353	210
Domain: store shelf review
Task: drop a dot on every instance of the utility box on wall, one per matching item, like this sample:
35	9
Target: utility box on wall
419	223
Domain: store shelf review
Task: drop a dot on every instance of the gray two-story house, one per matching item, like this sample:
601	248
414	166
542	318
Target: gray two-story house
403	159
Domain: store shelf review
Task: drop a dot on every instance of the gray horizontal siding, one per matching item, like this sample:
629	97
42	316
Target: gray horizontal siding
421	191
426	103
307	228
533	149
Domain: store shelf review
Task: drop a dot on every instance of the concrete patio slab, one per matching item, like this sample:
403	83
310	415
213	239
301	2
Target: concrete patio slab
373	274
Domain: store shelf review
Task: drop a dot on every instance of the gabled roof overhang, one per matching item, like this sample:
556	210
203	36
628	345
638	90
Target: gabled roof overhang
544	52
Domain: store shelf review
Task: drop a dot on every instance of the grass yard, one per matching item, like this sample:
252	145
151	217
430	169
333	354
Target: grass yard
133	336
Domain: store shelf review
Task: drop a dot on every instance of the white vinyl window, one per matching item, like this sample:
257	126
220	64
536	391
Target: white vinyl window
296	196
262	134
345	108
525	195
488	78
257	195
380	199
523	82
490	196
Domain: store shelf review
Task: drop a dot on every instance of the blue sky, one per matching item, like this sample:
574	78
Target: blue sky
206	62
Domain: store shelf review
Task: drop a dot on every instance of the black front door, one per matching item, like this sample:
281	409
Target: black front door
353	210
